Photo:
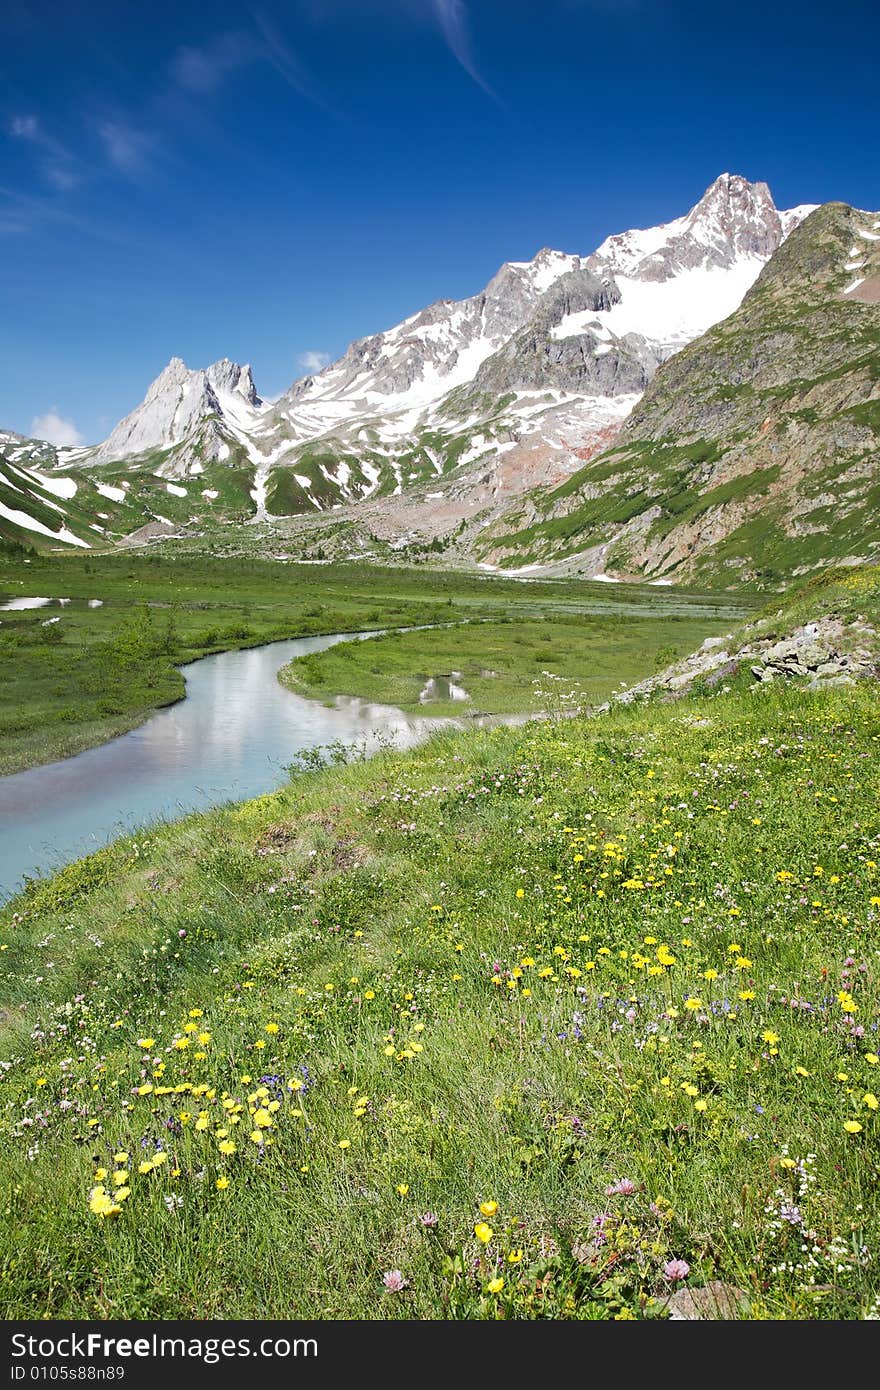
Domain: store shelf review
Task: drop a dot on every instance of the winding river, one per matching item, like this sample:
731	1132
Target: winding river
230	738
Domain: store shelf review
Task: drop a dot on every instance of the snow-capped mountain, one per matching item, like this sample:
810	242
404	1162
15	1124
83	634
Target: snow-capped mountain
665	285
181	403
475	399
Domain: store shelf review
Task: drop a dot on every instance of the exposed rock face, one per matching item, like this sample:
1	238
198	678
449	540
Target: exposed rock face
753	453
178	403
451	343
821	654
516	384
734	220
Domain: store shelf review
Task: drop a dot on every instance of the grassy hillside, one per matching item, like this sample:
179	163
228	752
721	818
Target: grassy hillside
526	1023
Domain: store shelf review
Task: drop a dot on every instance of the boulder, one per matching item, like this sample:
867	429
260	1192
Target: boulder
715	1300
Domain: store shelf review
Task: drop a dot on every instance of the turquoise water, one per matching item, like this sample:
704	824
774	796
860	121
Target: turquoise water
230	738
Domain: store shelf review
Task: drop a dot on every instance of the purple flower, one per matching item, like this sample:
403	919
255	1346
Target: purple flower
675	1270
393	1280
429	1218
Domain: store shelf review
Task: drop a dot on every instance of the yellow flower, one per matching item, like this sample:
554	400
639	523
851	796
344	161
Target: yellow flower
689	1089
146	1167
852	1127
488	1208
344	1144
710	974
701	1105
120	1158
120	1178
693	1004
495	1285
484	1233
514	1257
226	1147
271	1027
403	1188
146	1042
520	892
257	1136
159	1158
801	1071
746	994
770	1037
222	1183
262	1118
871	1100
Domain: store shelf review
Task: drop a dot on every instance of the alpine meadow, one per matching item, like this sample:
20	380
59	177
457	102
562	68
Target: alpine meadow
439	821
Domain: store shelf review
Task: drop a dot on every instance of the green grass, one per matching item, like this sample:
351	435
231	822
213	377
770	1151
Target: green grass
515	966
98	672
505	668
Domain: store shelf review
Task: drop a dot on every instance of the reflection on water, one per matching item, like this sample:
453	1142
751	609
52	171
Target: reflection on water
11	605
443	688
230	738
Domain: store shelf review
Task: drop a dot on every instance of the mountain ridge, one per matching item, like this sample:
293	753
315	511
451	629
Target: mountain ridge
481	398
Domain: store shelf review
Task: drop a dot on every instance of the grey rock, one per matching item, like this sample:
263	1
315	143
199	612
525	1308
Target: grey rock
715	1300
829	681
179	403
722	674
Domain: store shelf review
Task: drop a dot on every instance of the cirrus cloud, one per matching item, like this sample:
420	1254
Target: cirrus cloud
452	18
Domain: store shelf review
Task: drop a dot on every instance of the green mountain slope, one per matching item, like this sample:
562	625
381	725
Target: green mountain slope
753	455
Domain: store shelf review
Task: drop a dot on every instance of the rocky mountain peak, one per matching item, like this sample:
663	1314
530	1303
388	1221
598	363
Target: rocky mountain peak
178	401
229	376
734	222
735	218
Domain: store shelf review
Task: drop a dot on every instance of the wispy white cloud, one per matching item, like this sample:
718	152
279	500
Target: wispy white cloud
25	128
54	160
313	361
55	429
127	149
203	69
453	20
278	52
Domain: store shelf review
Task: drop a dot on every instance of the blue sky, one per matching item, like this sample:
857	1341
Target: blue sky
269	183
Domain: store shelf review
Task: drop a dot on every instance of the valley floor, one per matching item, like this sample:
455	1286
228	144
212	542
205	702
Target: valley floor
102	656
544	1022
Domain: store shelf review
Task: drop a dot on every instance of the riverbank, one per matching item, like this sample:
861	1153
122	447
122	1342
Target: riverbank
500	668
600	990
76	676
